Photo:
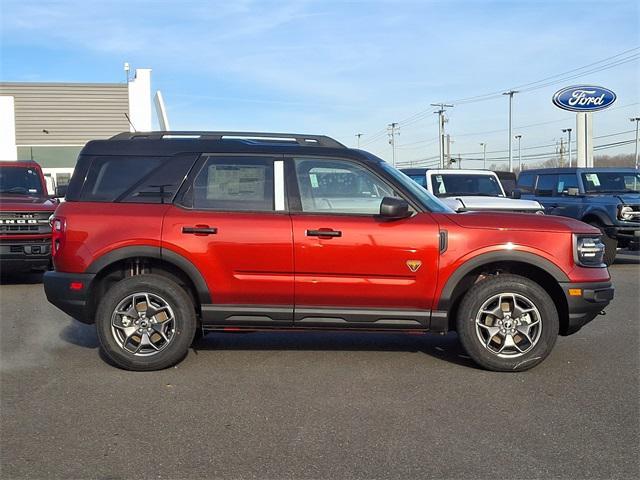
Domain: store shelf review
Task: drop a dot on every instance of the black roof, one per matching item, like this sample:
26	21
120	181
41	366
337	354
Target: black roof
166	143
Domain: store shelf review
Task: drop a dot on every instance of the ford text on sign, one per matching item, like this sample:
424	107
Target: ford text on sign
584	98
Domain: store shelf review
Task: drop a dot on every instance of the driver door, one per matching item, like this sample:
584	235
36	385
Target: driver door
351	267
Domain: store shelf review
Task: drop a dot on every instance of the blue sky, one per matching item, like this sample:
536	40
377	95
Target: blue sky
340	68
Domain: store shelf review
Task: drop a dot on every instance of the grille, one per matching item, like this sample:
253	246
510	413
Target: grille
24	222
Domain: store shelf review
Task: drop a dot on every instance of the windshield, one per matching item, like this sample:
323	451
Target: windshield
423	196
446	185
611	182
20	181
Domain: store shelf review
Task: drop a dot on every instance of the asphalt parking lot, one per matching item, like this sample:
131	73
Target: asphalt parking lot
317	405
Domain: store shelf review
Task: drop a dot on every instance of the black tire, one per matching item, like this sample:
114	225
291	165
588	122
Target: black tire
610	245
185	322
482	292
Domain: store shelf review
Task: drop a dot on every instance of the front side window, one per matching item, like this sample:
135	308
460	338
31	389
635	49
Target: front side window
611	182
447	185
20	181
339	186
235	184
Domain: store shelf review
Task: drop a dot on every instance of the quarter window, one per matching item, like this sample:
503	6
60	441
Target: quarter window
235	184
339	186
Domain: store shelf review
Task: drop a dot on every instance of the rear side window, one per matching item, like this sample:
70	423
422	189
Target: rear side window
525	182
234	184
546	185
419	179
131	179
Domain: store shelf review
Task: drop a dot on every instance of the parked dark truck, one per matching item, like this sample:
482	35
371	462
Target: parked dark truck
25	208
607	198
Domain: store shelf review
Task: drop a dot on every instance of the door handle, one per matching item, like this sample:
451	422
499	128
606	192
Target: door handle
323	233
200	230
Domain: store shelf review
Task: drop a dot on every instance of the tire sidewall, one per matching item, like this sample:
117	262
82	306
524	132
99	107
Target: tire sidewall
479	294
185	322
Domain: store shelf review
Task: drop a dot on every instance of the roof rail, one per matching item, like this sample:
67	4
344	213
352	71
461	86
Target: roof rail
300	139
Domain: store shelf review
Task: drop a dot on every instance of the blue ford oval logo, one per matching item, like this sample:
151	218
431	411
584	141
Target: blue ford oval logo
584	98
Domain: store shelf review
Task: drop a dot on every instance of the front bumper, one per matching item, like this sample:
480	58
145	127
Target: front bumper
72	301
628	233
24	255
585	301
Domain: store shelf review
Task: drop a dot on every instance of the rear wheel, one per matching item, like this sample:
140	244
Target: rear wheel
146	322
507	323
610	244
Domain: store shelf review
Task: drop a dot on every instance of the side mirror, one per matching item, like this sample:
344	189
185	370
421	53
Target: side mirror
516	194
394	208
573	191
61	191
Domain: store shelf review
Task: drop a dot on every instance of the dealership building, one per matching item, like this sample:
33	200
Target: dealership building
51	122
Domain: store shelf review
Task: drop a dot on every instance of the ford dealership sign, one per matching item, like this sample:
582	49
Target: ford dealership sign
584	98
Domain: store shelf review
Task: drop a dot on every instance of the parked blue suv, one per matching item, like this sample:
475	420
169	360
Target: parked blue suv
608	198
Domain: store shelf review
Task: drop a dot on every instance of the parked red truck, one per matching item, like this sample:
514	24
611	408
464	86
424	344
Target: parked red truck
25	208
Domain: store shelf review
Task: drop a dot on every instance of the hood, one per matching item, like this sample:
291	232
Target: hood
521	222
23	203
630	198
472	202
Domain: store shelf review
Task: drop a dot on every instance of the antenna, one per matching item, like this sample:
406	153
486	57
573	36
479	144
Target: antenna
129	120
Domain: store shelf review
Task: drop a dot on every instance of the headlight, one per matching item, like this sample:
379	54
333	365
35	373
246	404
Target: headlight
588	250
627	213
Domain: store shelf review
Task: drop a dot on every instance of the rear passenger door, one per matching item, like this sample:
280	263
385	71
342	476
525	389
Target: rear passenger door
232	224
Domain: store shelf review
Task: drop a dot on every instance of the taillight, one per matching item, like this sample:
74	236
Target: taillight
58	226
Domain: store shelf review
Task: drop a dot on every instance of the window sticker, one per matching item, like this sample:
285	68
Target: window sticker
560	186
593	178
314	180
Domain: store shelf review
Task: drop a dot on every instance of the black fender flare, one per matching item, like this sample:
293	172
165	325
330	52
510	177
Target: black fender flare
600	214
159	253
492	257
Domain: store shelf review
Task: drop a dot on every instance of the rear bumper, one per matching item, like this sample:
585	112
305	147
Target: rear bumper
73	302
593	298
24	255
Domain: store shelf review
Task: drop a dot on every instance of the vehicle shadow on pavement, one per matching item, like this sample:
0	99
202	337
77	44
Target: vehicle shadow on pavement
80	334
442	347
20	278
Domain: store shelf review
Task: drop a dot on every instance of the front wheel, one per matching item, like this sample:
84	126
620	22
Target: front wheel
507	323
146	322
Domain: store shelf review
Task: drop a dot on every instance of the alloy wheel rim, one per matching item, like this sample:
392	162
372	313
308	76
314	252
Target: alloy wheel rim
508	325
143	324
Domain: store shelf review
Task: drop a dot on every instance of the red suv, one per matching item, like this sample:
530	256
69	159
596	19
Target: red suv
25	208
164	235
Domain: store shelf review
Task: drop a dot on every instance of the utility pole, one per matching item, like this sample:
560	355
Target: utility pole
393	129
447	155
568	131
484	155
441	120
358	135
636	119
561	152
511	93
519	138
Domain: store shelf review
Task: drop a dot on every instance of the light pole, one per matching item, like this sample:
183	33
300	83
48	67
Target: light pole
358	135
511	93
636	119
484	155
568	131
519	138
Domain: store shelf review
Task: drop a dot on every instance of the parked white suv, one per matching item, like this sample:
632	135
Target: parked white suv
465	190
